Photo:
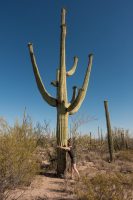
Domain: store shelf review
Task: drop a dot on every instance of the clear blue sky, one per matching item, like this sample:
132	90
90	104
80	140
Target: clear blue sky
104	27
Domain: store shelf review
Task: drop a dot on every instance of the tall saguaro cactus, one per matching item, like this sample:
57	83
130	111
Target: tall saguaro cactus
64	108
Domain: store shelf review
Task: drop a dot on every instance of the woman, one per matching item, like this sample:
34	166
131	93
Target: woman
72	155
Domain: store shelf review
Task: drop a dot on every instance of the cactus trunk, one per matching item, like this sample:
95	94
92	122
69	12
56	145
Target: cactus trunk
62	135
109	131
62	128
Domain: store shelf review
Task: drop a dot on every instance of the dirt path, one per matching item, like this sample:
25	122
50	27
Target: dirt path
45	187
49	187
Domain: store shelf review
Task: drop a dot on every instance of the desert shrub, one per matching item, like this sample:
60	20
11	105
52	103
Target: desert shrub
105	186
46	146
44	136
87	152
17	156
125	155
122	139
81	145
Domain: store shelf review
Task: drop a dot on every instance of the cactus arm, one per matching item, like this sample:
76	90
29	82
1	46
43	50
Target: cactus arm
88	71
57	75
54	83
74	111
77	102
74	94
46	96
74	106
72	70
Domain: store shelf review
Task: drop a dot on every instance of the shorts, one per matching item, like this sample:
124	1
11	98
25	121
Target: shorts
73	160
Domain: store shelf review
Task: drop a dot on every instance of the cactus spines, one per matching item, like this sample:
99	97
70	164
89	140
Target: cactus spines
109	131
64	108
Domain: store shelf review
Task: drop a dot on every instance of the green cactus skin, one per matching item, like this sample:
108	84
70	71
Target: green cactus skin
110	140
64	108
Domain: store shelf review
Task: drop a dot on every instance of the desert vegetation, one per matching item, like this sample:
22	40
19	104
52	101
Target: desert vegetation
27	151
18	161
102	179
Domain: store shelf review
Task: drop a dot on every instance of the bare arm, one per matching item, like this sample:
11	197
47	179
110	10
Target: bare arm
65	148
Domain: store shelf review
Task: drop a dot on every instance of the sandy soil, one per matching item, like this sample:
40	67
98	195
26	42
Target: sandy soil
45	187
48	187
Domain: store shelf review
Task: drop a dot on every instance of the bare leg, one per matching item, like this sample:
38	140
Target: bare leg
72	169
75	169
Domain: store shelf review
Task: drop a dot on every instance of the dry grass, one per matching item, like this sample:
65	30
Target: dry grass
105	186
125	155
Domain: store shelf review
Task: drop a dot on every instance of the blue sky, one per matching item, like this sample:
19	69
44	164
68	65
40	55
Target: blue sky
104	27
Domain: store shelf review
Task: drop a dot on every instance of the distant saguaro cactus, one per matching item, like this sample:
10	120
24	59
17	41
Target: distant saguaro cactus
90	140
110	140
64	108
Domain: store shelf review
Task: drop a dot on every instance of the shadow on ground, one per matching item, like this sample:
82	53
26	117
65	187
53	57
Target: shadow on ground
49	174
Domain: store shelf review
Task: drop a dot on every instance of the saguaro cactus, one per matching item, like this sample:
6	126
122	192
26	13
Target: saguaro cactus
64	108
110	140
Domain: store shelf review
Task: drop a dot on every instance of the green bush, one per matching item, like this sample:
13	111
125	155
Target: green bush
17	156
